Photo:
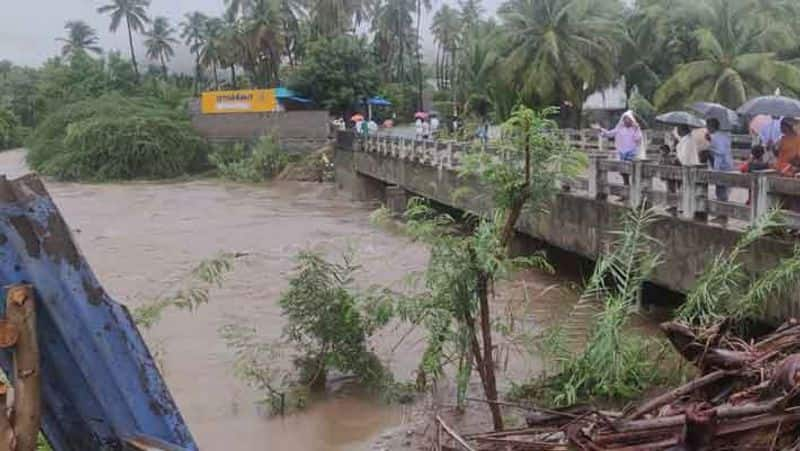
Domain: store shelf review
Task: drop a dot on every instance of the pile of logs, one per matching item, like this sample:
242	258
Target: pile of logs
746	396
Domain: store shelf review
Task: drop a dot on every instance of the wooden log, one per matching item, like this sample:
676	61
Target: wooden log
679	392
722	412
453	434
20	311
8	441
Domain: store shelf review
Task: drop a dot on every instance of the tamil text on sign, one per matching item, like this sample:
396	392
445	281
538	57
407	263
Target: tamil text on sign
242	101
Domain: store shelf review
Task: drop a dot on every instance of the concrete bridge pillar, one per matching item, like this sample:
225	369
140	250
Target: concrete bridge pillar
397	199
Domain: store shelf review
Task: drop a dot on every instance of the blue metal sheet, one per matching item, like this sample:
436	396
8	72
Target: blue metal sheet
100	384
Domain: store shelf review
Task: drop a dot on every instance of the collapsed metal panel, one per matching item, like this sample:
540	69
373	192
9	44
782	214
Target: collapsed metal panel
100	385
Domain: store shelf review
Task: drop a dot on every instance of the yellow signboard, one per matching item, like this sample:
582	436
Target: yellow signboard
242	101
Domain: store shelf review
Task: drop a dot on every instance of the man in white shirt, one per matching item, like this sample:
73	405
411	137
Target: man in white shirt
686	149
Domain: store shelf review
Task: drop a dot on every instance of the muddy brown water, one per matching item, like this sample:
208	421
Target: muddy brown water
142	238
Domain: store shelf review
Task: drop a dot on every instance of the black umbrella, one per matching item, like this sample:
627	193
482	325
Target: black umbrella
681	118
771	105
728	119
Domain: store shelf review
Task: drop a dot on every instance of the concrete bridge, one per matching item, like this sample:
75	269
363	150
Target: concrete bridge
393	169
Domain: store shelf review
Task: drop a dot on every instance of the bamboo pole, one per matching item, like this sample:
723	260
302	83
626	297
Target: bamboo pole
20	311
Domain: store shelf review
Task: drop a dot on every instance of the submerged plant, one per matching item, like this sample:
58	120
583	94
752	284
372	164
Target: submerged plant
239	163
194	290
726	290
614	364
328	327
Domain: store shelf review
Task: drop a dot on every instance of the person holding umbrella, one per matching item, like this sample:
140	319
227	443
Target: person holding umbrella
627	137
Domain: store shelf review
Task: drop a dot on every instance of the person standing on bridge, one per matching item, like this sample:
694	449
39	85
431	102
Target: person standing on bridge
627	137
722	158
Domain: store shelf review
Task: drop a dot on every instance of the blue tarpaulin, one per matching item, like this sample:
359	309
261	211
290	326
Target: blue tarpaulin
378	101
100	384
283	94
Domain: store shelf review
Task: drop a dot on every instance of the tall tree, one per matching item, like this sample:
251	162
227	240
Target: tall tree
159	41
230	44
561	49
392	23
263	39
330	18
427	5
80	38
471	12
213	46
446	29
737	58
135	14
192	29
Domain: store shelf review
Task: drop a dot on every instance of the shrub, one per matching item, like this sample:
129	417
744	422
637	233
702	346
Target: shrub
115	138
237	163
9	130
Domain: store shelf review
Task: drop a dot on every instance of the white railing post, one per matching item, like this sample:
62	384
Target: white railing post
597	176
693	193
759	194
688	192
637	184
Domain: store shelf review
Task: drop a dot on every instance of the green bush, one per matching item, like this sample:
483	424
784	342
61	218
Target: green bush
114	137
236	162
10	133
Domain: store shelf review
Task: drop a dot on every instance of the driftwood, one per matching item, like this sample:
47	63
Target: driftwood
25	416
747	396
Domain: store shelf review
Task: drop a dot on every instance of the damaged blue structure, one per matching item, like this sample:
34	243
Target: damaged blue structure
101	388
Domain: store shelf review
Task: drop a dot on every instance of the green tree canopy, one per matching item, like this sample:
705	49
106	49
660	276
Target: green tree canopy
738	45
337	73
561	49
80	38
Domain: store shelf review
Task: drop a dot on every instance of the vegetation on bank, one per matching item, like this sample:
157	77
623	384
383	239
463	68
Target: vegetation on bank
114	137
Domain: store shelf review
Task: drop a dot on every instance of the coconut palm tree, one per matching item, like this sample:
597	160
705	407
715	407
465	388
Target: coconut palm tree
737	58
192	29
427	5
159	41
213	46
330	18
471	12
80	38
135	14
392	23
561	50
263	41
446	29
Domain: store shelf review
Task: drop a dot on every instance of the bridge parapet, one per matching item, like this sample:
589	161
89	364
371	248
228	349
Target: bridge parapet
676	188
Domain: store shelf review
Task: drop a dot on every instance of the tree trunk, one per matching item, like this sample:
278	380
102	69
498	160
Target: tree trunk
490	384
419	54
133	54
233	75
438	72
197	72
216	76
164	67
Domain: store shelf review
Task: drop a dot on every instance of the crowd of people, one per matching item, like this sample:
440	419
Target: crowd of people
776	146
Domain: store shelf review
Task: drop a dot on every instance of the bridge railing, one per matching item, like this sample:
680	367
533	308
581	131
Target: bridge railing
686	191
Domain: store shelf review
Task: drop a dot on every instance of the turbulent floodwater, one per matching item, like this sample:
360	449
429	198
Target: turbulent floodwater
143	238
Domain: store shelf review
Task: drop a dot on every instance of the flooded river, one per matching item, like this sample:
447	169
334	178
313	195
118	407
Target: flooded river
143	238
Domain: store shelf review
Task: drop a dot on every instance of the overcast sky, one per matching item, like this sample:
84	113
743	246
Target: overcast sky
28	28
